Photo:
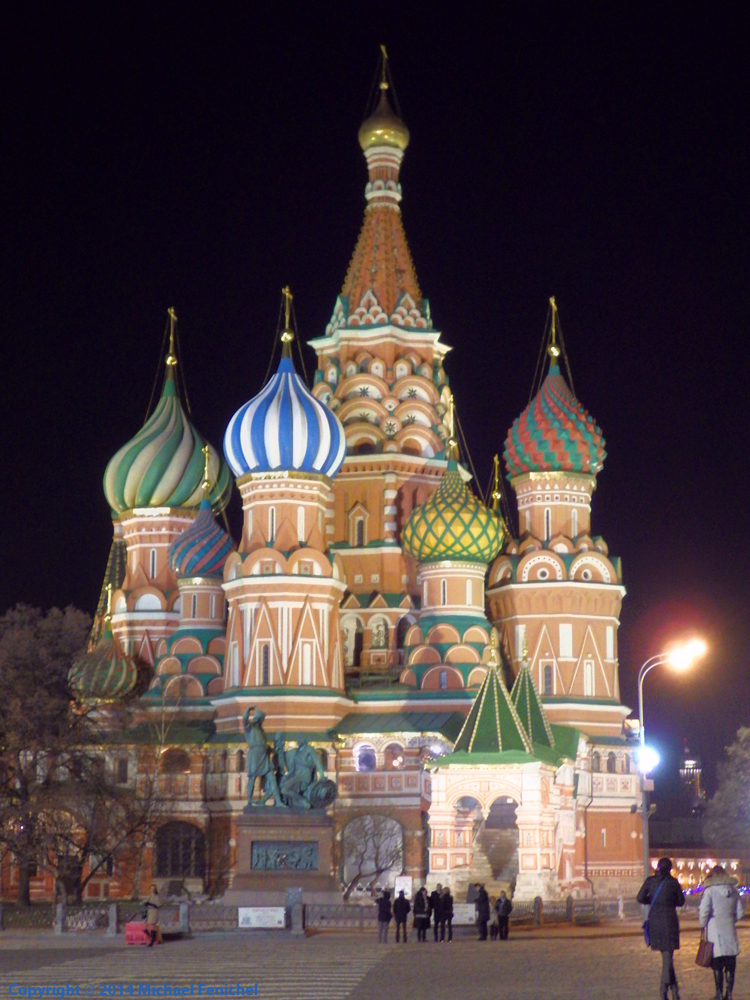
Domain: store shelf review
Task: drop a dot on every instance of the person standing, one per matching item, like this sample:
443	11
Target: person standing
152	917
663	894
721	907
494	920
401	910
436	904
421	914
446	914
504	908
482	905
384	916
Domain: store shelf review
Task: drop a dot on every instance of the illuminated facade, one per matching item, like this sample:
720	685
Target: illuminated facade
460	681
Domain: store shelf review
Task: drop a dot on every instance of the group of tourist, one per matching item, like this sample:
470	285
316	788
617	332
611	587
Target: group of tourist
436	908
720	908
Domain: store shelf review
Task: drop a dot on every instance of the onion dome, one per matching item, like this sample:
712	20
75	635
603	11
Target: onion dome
554	433
203	548
162	465
452	524
285	429
383	127
104	673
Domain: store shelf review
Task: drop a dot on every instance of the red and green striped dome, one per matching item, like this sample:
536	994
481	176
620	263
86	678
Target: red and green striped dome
554	433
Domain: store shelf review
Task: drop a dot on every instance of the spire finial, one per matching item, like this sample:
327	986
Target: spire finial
108	612
496	485
383	80
287	336
206	482
553	350
171	356
452	444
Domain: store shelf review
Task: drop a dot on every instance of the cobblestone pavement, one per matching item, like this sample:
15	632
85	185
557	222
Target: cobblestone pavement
542	966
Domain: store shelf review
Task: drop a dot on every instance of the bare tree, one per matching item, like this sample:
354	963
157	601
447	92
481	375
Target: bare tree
371	844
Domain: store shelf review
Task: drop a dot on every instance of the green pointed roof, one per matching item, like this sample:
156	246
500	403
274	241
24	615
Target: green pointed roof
493	725
114	575
530	710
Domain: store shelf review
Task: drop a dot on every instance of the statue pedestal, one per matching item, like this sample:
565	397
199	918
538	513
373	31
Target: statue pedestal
280	849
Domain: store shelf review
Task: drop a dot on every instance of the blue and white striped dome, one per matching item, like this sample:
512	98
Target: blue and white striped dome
285	428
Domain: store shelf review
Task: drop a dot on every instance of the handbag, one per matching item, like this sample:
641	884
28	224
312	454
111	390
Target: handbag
646	926
705	951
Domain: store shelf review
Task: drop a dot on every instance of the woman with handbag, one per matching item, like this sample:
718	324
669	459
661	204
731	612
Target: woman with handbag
721	907
663	894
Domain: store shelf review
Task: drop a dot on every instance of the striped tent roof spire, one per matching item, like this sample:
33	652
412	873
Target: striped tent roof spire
530	709
493	724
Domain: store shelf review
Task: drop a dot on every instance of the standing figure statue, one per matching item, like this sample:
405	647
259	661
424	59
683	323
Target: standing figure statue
259	762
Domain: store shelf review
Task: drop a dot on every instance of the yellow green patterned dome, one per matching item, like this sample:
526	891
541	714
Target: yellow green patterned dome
452	524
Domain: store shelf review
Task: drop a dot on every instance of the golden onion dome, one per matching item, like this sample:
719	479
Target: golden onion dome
383	127
452	524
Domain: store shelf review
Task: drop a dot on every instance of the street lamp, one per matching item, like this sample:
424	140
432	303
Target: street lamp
680	657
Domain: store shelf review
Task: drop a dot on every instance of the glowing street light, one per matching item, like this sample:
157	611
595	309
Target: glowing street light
679	657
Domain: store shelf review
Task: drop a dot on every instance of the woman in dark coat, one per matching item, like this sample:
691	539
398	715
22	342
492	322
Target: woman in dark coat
421	914
663	894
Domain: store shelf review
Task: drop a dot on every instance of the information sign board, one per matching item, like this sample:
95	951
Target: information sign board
262	916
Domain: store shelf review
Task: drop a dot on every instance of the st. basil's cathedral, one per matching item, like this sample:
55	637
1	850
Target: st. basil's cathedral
457	681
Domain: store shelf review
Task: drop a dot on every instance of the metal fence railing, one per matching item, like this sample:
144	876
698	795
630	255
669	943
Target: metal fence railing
340	916
205	917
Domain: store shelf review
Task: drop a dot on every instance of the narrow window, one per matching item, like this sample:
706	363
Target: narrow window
213	605
527	520
547	679
272	524
122	770
195	606
611	763
604	838
588	678
566	641
610	641
443	680
301	524
444	592
596	762
468	591
152	563
307	663
265	665
359	533
547	524
425	601
520	640
573	523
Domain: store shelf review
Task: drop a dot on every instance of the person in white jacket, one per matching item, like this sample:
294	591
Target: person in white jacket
721	907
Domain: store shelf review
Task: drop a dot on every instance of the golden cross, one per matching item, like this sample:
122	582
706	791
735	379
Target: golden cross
171	357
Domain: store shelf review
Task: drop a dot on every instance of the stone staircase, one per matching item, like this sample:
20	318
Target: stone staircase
495	863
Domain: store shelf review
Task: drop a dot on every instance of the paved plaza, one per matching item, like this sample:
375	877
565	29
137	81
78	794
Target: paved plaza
544	964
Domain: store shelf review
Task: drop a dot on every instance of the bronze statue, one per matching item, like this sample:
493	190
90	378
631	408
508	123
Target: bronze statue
293	778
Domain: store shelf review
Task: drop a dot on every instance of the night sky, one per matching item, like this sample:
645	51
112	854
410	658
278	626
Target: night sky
204	155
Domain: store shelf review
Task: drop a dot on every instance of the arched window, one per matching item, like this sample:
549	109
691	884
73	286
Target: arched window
596	762
271	524
502	814
380	634
152	563
547	679
180	851
626	764
444	592
365	759
527	520
240	761
611	763
265	664
359	533
195	606
174	761
547	524
394	757
213	605
443	680
323	754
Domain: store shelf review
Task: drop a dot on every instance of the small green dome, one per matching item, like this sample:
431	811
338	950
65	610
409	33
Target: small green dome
452	524
162	466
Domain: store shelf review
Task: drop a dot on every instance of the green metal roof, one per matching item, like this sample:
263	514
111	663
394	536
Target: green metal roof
448	724
529	708
493	725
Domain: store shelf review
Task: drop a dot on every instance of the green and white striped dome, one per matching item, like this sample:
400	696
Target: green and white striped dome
162	466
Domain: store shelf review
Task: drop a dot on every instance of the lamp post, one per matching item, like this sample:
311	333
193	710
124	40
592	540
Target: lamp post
680	658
